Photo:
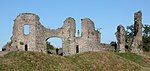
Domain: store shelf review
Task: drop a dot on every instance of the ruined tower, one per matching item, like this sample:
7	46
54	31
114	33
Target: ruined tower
26	42
137	40
69	36
89	36
120	35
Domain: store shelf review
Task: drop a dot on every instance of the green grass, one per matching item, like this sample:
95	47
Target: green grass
147	54
0	66
143	61
102	61
131	56
88	61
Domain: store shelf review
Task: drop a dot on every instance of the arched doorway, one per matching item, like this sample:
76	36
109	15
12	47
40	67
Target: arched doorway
54	46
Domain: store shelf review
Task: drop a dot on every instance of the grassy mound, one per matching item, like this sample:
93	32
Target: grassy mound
143	61
88	61
103	61
131	56
34	61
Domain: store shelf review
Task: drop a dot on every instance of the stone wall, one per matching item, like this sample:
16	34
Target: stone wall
89	40
38	35
137	40
19	39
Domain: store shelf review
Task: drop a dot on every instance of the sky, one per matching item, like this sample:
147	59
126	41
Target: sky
106	14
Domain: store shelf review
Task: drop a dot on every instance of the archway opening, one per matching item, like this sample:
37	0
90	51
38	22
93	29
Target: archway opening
54	46
26	29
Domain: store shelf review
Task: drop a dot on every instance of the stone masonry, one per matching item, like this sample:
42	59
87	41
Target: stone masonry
38	35
137	40
120	35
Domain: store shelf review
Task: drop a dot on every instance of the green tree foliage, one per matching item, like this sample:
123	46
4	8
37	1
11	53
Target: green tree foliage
49	46
146	31
130	31
129	34
146	38
52	50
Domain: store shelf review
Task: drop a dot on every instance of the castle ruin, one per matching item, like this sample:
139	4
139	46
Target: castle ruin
38	35
89	40
136	42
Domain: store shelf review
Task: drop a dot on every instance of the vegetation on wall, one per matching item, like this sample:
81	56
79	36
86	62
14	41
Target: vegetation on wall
21	43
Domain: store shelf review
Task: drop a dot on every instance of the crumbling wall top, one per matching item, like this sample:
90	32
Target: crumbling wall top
87	20
138	14
69	21
30	16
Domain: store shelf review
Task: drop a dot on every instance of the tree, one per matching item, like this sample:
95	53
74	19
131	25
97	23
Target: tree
129	34
49	48
146	37
146	31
